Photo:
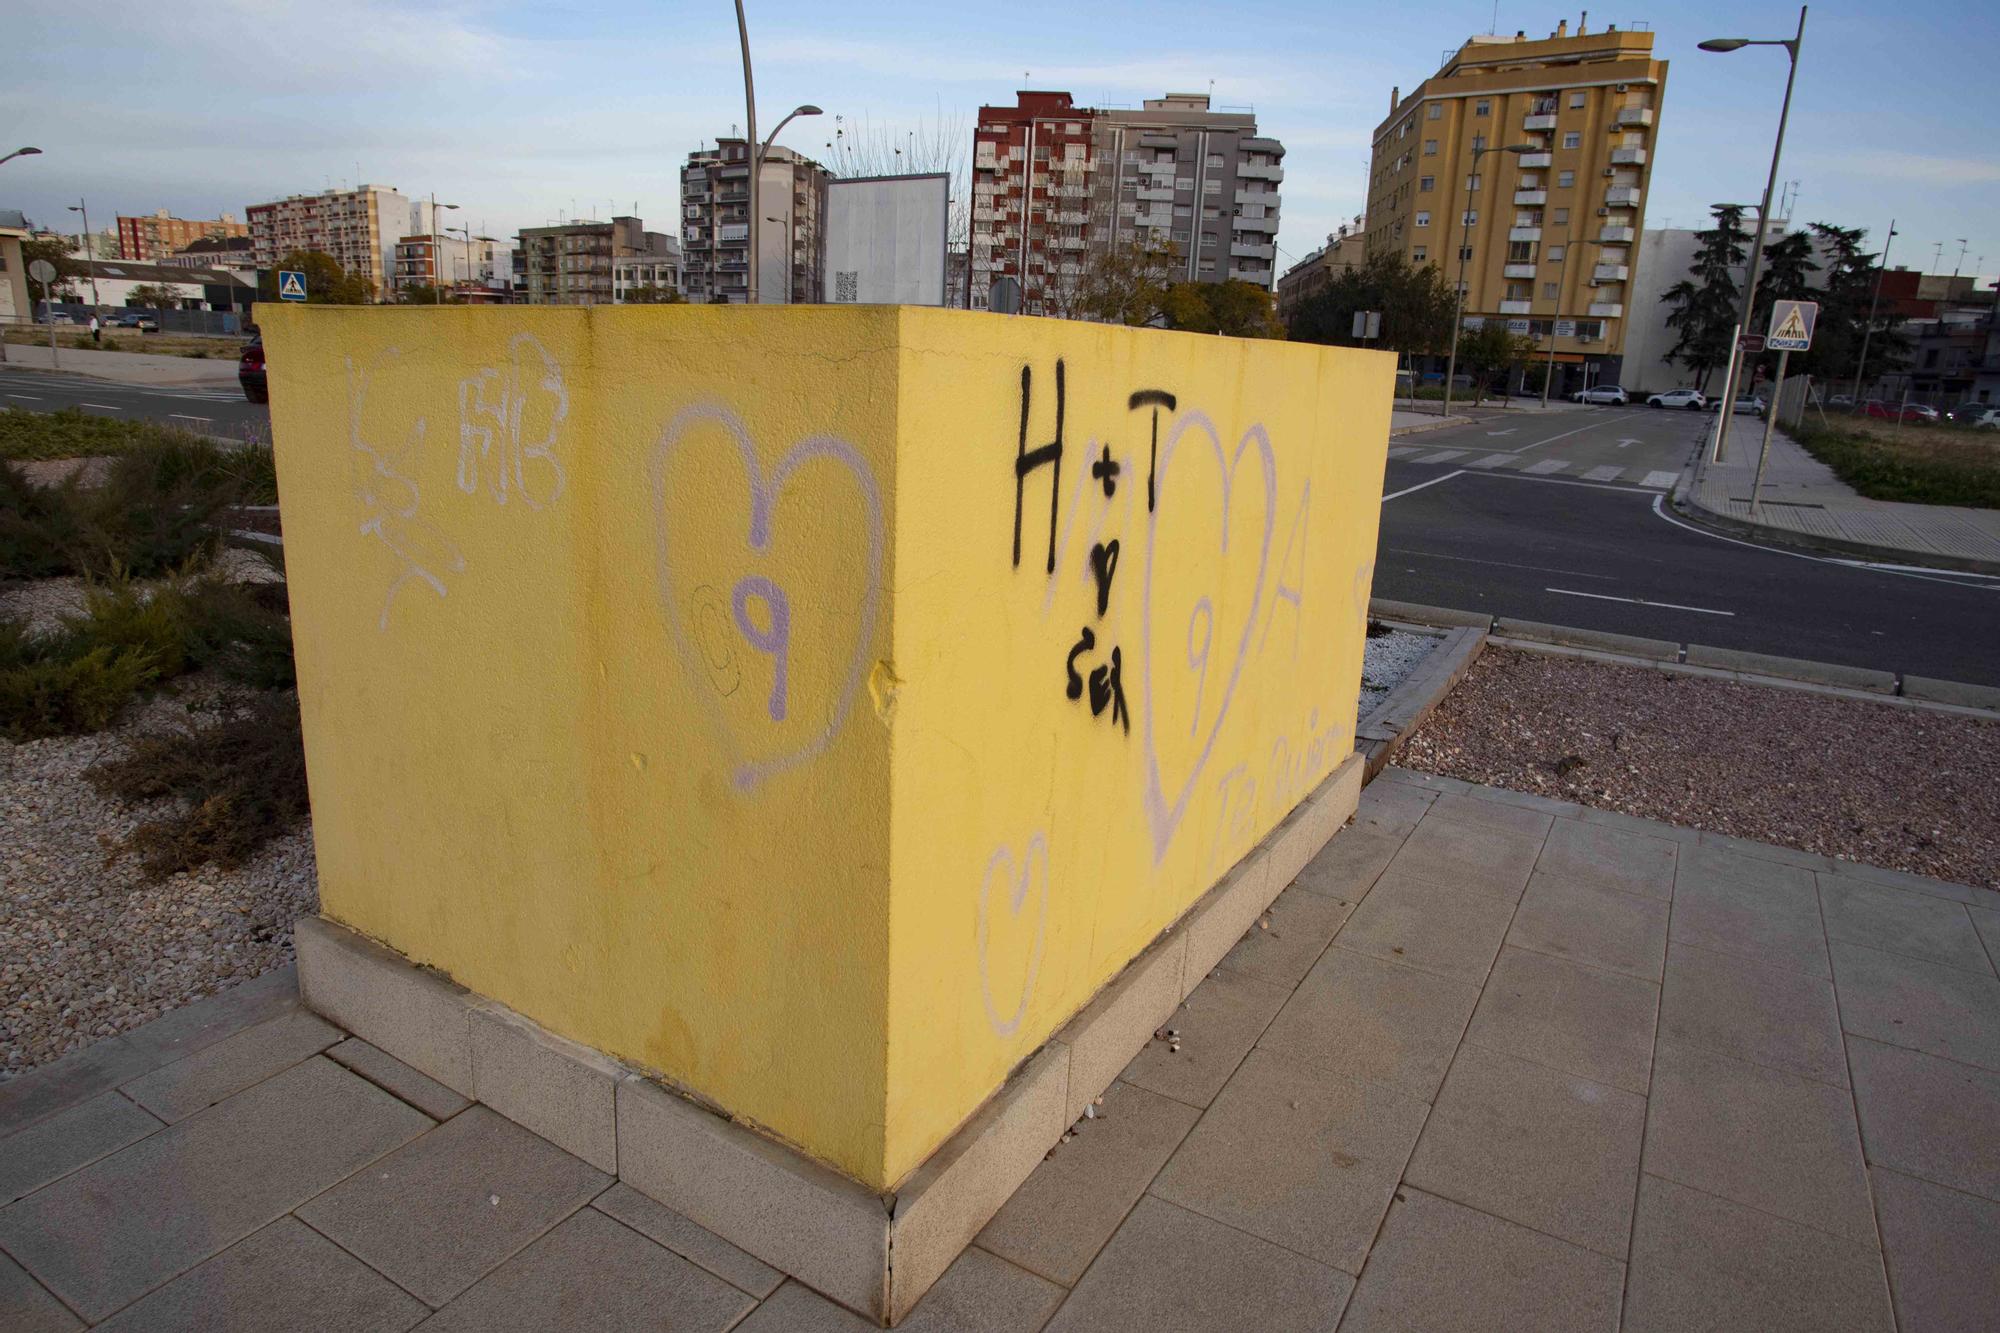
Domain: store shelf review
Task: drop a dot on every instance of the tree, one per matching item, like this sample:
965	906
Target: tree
156	296
1845	299
653	295
423	293
940	146
1706	302
1415	303
327	283
1491	349
1126	284
55	249
1235	308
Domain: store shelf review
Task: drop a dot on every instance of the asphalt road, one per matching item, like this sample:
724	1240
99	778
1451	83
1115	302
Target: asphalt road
1579	537
218	409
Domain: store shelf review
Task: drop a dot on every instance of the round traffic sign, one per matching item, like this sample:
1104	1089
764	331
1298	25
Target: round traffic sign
42	271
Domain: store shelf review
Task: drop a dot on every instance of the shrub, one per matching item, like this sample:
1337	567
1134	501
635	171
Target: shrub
237	782
47	692
191	623
1915	464
39	526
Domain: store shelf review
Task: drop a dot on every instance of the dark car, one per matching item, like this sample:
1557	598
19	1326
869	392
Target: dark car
250	373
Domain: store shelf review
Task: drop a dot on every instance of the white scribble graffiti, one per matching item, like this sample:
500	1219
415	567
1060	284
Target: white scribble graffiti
383	473
508	419
1019	876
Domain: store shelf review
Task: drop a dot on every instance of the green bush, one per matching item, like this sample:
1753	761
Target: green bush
1916	465
237	783
39	526
46	691
192	623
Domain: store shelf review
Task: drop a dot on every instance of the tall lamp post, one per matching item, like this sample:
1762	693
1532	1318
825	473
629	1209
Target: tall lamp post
88	257
1569	248
1464	239
20	152
437	256
1868	330
756	178
1791	45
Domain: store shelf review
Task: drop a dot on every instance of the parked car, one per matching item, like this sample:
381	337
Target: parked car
1606	394
57	318
1911	414
1979	416
137	319
250	372
1881	411
1751	405
1841	402
1691	399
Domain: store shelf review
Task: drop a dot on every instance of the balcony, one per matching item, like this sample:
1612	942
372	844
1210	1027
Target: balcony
733	231
1519	270
1635	115
1531	160
1606	309
1611	272
1531	196
1628	157
1267	172
1615	235
1515	307
1261	145
1256	196
1242	250
1165	196
1546	121
1264	224
1260	276
985	215
1524	233
1158	139
1622	196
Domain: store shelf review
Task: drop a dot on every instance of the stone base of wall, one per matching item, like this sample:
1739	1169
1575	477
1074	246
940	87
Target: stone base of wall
875	1253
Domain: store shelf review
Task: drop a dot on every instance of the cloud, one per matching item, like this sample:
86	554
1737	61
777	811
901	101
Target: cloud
1938	172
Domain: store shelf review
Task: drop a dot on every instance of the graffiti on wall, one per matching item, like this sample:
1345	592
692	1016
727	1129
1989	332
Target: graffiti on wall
1017	878
508	419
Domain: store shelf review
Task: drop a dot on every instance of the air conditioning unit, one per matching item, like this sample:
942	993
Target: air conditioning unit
1609	173
1604	212
1623	86
1586	337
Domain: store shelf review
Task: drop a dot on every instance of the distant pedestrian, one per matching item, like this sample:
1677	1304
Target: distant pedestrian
96	333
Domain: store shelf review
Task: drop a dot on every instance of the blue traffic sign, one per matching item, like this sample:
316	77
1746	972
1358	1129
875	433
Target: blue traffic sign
291	285
1792	325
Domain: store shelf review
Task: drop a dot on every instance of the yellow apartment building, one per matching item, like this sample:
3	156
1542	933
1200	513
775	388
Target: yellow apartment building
1548	238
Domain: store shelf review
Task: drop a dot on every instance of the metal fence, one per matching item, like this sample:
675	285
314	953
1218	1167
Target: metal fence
221	323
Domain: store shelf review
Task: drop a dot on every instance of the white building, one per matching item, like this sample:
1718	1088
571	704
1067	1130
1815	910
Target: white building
1666	256
633	272
360	228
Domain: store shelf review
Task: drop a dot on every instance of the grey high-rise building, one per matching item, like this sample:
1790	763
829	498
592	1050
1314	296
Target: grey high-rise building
715	224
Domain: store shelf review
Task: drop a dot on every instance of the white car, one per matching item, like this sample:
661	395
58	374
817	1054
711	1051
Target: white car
1979	418
1691	399
1608	394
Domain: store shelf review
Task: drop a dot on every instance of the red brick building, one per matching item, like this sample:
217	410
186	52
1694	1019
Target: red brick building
153	238
1033	173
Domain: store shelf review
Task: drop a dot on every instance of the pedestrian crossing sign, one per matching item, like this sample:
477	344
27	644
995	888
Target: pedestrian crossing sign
1791	326
291	285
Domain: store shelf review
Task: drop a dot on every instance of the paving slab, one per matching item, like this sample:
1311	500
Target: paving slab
1060	1217
1703	1262
1469	856
176	1091
1926	1006
983	1293
797	1308
1288	939
1928	1117
1391	807
442	1212
1370	1019
1172	1271
1987	923
107	1234
1299	1157
385	1071
1440	1267
1941	1246
1218	1023
284	1277
1898	921
1554	1152
1774	1141
597	1273
68	1141
1774	919
1584	1021
26	1305
1606	857
1586	921
1754	1011
696	1244
1350	863
1501	816
1429	927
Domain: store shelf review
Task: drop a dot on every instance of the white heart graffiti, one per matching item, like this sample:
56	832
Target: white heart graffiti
750	771
1166	818
1036	850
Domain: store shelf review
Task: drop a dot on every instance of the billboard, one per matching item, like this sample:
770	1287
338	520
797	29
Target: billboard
885	240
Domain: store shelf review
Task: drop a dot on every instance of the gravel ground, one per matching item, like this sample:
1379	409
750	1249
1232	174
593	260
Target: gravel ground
1903	788
1386	660
44	602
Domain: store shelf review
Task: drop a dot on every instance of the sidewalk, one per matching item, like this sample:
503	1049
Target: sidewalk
1405	421
1803	499
1492	1061
131	367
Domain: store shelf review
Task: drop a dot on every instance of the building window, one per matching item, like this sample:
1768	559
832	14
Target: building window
1565	179
1556	253
1520	291
1478	143
1425	184
1576	101
1187	210
1472	183
1418	255
1215	159
1435	111
1211	187
1572	139
1430	147
1423	219
1482	107
1210	214
1471	217
1562	216
1550	291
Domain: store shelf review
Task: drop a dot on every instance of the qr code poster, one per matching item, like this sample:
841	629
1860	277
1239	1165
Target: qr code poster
847	286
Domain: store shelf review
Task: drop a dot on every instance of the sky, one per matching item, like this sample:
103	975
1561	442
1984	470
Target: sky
525	112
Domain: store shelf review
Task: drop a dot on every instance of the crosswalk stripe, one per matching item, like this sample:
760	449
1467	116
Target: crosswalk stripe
1493	460
1442	456
1405	451
1663	480
1546	466
1605	473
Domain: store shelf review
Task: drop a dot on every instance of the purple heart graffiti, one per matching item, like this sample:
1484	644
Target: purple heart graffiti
1003	864
753	764
1166	818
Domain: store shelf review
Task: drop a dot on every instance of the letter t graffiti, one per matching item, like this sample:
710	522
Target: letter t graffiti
1026	460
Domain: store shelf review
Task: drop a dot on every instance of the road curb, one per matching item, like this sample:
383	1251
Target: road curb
1390	723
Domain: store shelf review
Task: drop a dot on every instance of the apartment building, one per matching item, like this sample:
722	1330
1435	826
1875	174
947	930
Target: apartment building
575	263
358	227
454	261
1345	248
637	273
151	239
715	224
1055	184
1547	239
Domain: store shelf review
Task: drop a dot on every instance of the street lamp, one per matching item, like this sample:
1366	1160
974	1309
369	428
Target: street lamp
1868	331
1791	45
20	152
1458	294
1569	247
88	258
756	180
437	285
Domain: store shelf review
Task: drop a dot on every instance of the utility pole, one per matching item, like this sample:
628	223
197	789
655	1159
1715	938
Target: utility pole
89	258
1868	330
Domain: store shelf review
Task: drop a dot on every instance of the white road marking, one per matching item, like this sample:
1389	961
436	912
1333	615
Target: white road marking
1442	456
1945	576
1564	436
1512	475
105	407
1508	431
1623	443
1420	485
1664	480
29	397
1491	460
1481	560
182	416
1639	601
1405	451
1605	473
1546	466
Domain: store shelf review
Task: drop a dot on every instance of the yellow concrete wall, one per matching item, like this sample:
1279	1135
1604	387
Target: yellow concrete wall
547	565
1039	843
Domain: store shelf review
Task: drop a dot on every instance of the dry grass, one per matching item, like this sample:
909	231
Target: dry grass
1887	460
